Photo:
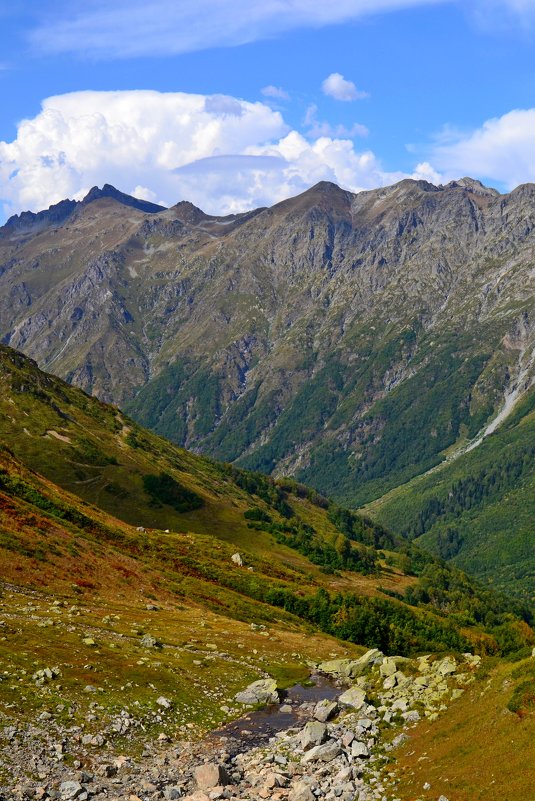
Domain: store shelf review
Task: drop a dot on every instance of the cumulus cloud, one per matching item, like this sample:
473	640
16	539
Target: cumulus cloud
222	153
335	85
502	149
170	27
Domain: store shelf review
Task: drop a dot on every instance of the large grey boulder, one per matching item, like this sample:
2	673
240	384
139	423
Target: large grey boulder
355	698
325	710
301	791
352	668
263	691
70	790
322	753
359	750
314	733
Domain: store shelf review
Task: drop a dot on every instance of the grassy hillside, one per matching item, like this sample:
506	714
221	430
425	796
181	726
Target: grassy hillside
482	748
327	566
478	510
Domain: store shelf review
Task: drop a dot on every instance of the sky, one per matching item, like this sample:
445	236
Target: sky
234	104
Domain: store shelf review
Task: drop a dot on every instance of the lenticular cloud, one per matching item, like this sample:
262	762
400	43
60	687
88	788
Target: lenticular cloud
222	153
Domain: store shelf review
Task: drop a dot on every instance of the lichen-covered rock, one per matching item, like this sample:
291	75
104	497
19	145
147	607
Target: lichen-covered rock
263	691
355	698
314	733
325	710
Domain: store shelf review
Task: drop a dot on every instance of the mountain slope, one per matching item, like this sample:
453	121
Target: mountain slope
346	339
295	540
477	510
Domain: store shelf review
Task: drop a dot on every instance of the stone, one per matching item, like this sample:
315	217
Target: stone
70	790
325	710
390	682
171	793
355	698
163	702
359	750
348	738
263	691
388	666
322	753
301	791
446	666
148	641
314	733
351	668
211	775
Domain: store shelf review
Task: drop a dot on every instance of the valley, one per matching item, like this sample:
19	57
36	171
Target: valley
359	432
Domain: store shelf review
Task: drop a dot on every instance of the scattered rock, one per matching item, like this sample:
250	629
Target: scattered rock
148	641
322	753
325	710
263	691
355	697
314	733
211	775
163	702
70	790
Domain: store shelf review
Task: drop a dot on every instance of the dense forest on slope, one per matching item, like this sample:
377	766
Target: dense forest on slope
478	510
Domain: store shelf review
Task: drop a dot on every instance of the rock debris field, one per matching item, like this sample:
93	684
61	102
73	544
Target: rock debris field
337	748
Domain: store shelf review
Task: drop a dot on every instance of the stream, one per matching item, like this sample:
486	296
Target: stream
256	728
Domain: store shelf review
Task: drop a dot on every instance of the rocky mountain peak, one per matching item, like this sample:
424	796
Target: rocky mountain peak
189	213
109	191
474	186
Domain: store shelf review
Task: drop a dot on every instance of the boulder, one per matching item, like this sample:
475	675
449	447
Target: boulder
445	667
211	775
148	641
355	698
322	753
351	668
325	710
359	750
314	733
70	790
301	792
388	666
263	691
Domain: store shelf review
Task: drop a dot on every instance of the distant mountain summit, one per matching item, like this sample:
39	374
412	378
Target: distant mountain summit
28	221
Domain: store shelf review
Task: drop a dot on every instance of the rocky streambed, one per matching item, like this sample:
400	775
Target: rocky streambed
329	741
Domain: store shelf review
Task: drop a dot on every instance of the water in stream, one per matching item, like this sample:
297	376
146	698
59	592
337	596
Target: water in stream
256	728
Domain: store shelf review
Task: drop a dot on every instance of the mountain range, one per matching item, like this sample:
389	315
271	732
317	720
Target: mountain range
359	343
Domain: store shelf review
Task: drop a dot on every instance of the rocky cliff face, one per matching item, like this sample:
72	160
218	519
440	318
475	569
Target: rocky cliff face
347	339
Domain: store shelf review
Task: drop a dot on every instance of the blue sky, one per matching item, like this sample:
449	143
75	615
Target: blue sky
235	104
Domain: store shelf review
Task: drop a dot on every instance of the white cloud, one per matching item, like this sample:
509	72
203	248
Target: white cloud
170	26
277	92
318	128
222	153
335	85
502	149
